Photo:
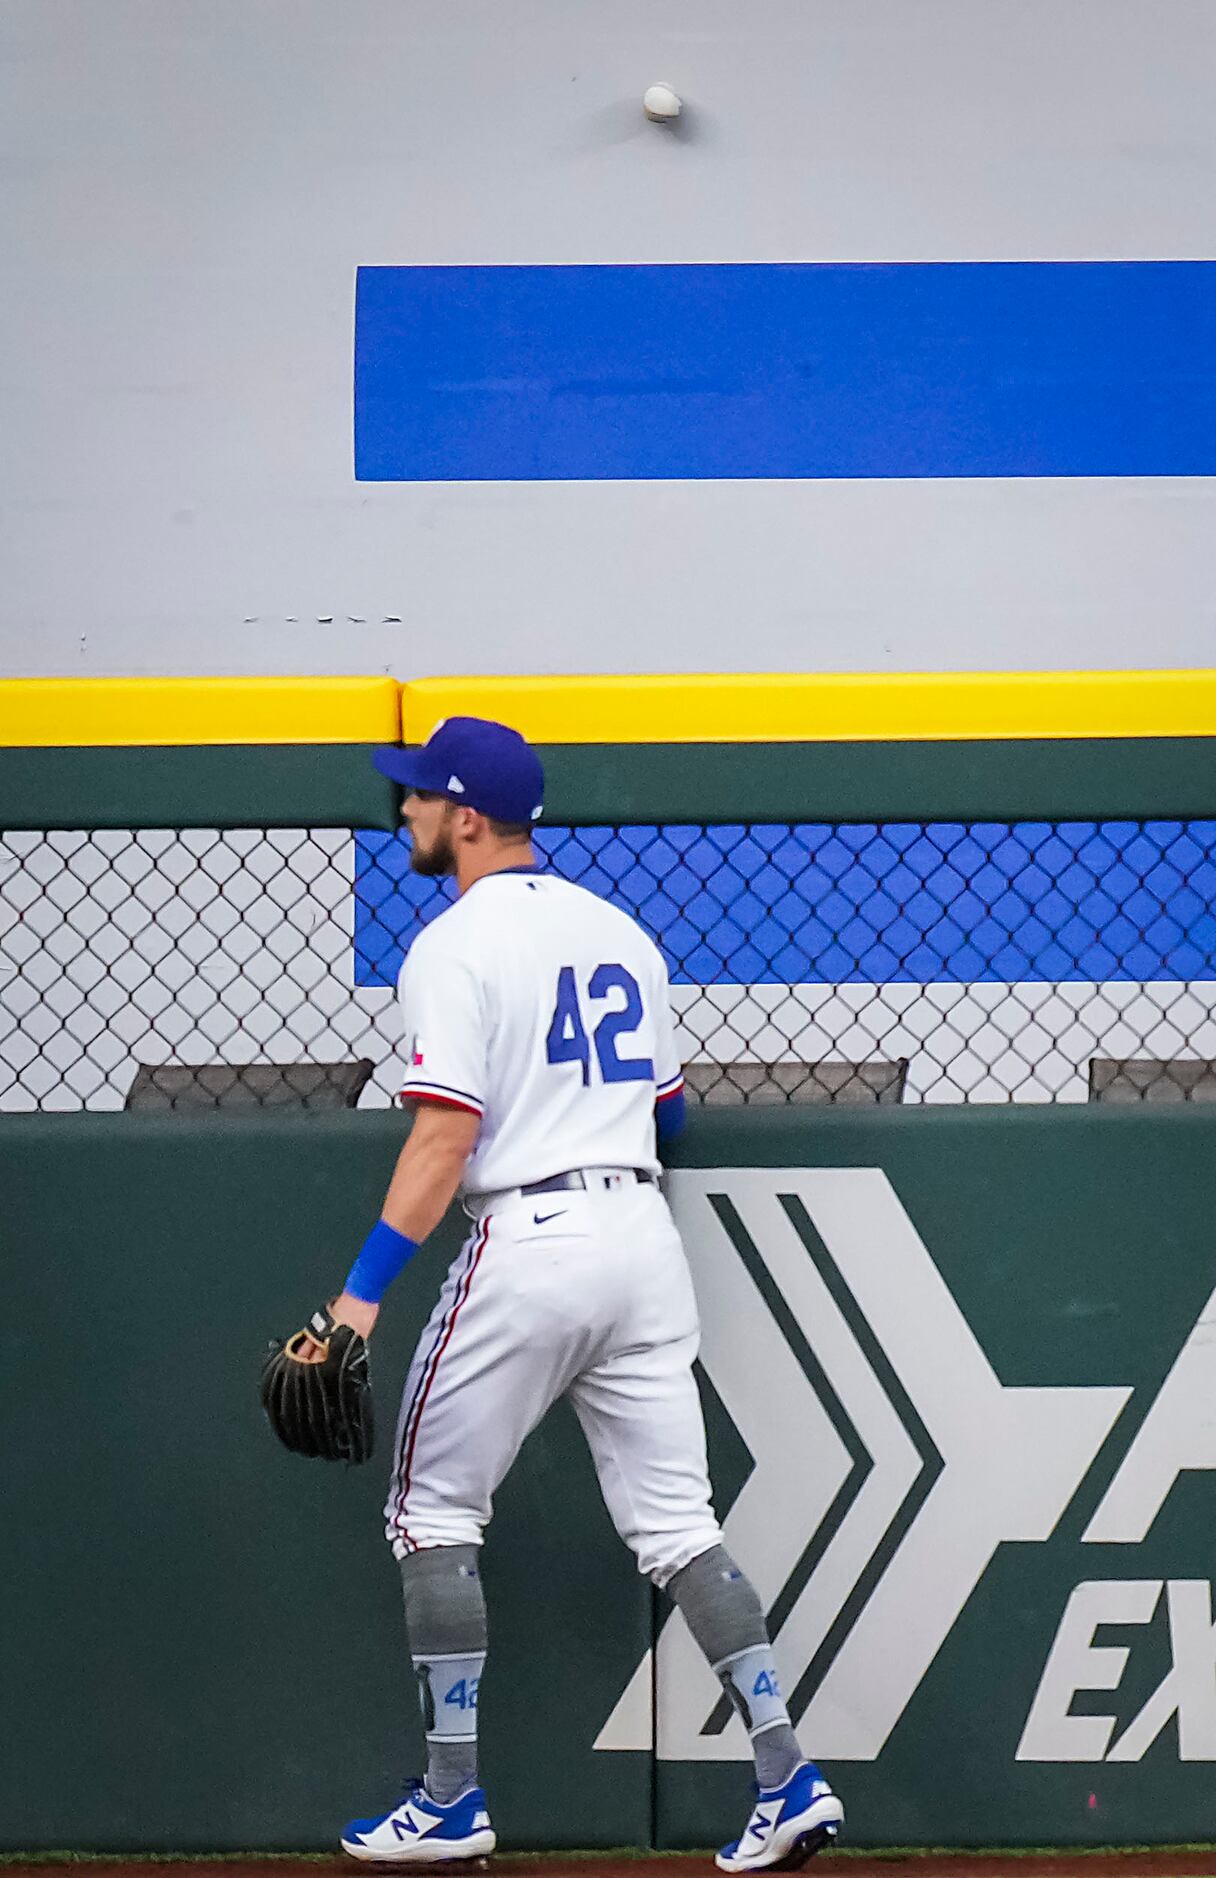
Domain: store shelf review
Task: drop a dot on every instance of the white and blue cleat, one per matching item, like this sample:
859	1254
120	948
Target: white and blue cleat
419	1831
788	1825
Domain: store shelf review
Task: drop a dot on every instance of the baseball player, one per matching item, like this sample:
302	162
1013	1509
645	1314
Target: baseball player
541	1062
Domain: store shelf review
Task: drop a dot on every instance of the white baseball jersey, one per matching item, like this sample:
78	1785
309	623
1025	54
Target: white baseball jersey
544	1010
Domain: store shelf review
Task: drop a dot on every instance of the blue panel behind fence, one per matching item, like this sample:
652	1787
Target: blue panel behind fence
904	903
1008	368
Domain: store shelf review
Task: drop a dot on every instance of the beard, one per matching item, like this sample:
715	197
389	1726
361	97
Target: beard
437	860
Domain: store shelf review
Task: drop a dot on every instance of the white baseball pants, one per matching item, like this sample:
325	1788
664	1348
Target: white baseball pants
578	1294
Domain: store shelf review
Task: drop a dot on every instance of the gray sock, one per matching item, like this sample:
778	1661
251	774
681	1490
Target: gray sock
724	1615
445	1616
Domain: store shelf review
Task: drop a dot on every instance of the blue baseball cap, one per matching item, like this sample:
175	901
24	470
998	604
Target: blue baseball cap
472	760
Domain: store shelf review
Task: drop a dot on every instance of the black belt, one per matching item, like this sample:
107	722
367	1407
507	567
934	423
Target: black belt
566	1183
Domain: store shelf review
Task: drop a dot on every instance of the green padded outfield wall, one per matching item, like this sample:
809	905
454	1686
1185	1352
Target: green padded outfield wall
202	1639
983	1518
285	752
961	1387
294	752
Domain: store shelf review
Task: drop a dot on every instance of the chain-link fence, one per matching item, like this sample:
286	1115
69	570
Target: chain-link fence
915	962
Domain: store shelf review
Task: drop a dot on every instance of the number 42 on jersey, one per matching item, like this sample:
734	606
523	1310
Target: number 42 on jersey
568	1041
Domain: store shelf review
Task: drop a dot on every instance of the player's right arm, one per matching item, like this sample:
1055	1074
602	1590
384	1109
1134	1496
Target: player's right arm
669	1116
668	1070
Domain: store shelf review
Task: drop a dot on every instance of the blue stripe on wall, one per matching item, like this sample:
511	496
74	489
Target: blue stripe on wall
905	903
912	370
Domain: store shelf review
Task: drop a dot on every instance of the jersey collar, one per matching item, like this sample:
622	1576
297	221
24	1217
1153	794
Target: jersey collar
500	871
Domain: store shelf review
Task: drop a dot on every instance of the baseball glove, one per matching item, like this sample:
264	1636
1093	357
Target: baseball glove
322	1409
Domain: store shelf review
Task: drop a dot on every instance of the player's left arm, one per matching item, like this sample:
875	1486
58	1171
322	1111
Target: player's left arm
445	1029
334	1418
422	1188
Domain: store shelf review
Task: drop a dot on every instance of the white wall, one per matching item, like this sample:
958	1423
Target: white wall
187	187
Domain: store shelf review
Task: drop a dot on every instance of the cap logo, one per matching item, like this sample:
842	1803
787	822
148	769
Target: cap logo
455	784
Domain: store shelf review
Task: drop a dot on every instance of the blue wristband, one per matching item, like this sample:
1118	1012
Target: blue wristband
384	1252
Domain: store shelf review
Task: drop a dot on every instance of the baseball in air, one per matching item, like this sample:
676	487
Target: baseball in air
661	104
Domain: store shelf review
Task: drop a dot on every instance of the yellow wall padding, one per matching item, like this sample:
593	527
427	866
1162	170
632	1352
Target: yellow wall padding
90	712
702	707
847	707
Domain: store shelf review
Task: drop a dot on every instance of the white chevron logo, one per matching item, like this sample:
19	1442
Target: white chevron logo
889	1462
